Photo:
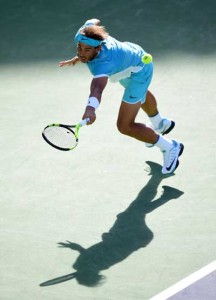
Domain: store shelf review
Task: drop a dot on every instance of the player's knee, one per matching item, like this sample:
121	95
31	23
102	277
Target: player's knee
124	128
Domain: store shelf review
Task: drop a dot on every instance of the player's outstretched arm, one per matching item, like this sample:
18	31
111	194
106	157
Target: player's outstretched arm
96	90
71	62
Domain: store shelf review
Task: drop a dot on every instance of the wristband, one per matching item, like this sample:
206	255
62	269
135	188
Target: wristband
93	102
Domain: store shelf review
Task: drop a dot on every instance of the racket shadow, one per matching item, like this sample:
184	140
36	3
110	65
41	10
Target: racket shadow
59	279
128	234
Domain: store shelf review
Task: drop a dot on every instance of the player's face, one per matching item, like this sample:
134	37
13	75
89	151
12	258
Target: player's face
86	52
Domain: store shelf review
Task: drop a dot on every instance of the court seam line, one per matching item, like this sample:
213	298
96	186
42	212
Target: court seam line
185	282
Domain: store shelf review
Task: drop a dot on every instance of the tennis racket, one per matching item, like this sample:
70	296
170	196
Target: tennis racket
63	137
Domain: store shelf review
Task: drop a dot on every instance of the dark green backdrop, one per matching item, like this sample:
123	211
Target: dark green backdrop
39	30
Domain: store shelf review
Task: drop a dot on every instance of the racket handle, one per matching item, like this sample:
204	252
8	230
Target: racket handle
84	122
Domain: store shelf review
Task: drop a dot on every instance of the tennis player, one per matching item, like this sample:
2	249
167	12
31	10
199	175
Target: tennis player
108	58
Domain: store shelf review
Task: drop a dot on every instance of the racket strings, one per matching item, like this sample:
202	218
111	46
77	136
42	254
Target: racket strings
61	137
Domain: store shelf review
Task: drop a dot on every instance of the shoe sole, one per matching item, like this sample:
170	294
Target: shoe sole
180	153
177	162
170	128
181	150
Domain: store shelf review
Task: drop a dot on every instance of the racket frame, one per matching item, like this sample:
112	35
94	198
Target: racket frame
68	127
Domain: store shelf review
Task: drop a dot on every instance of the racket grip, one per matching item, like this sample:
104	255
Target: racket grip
84	122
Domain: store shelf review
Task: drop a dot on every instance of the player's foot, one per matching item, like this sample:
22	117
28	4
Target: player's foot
166	125
171	156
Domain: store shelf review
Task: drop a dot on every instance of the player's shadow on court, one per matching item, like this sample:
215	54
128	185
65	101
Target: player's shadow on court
128	234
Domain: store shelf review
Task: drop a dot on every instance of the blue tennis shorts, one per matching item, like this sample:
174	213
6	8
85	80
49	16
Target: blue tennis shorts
136	86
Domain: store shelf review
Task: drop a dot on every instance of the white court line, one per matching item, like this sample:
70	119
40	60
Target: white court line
179	286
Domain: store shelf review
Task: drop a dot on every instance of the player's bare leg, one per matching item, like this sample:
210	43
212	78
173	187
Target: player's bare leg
126	124
150	105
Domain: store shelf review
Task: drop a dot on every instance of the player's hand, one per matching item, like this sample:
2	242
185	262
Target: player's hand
89	113
70	62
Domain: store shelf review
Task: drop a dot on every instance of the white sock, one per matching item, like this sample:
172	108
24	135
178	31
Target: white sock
164	144
156	120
